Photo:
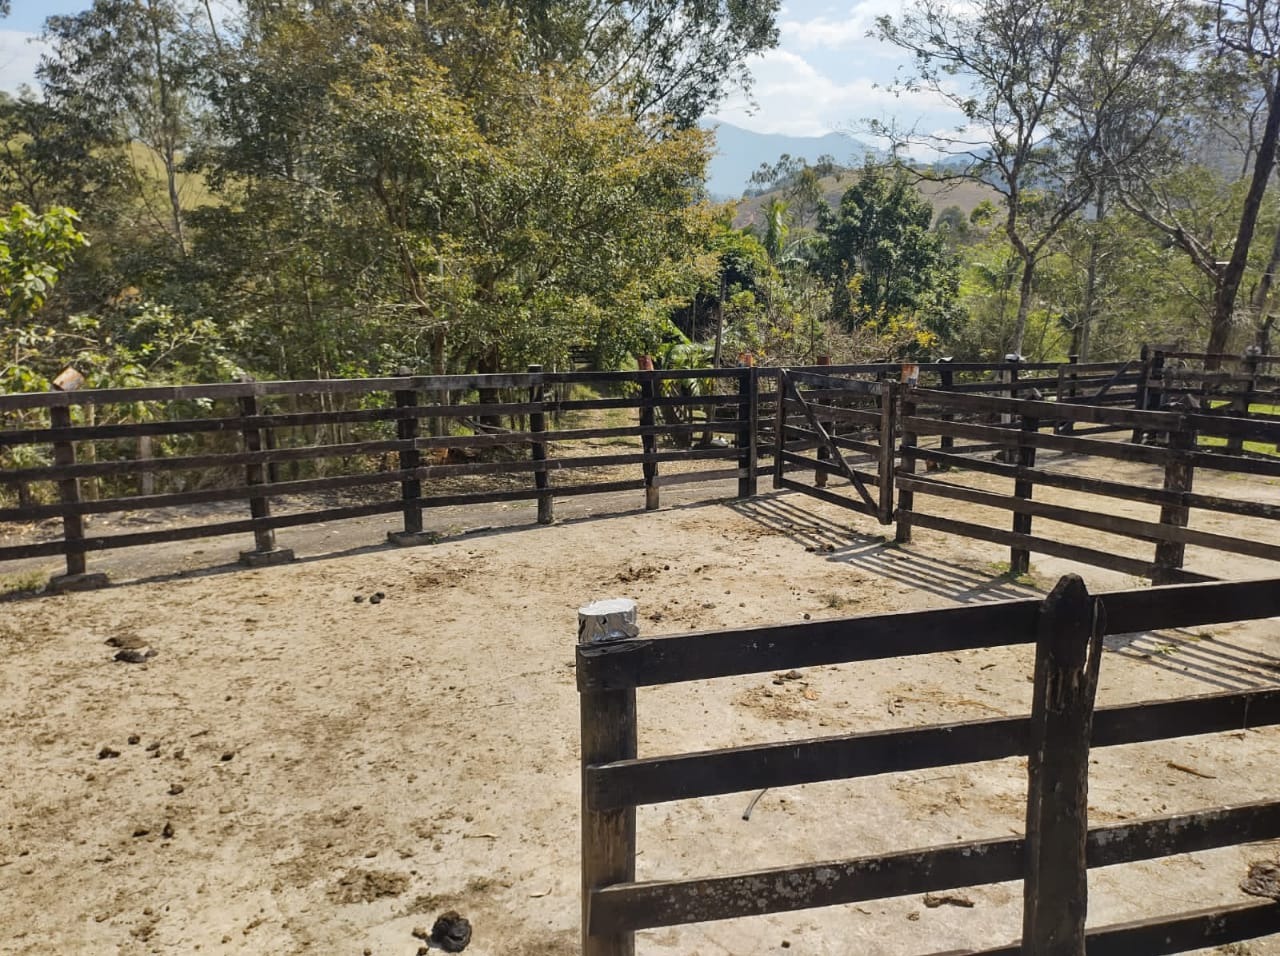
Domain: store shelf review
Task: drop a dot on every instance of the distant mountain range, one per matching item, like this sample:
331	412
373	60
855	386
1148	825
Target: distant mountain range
740	152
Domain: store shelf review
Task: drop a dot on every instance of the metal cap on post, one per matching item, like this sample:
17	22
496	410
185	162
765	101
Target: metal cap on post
608	733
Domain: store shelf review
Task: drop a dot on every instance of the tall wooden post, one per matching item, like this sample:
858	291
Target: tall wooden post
64	456
888	446
1055	886
780	428
948	376
1179	475
1068	380
824	453
649	441
538	449
1242	404
608	729
265	551
906	498
748	413
1020	558
410	461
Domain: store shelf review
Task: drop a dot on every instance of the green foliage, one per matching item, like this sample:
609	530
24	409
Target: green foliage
881	258
34	250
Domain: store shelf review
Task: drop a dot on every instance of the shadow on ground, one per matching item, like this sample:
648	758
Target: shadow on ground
879	555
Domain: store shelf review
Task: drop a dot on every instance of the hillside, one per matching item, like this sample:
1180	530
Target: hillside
740	152
966	195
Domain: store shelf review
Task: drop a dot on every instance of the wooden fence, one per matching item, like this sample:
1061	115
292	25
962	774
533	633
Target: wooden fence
287	454
1067	628
1033	429
249	430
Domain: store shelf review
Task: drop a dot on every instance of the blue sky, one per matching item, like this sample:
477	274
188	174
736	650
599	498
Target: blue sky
826	75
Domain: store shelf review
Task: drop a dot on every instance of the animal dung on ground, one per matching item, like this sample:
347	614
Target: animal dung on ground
451	932
133	649
1263	880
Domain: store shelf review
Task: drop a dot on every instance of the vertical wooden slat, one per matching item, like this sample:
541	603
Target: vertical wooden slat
410	458
888	446
1241	404
906	498
748	412
824	453
1055	887
948	376
64	453
1068	380
649	441
608	729
1020	558
265	551
780	428
538	449
1179	475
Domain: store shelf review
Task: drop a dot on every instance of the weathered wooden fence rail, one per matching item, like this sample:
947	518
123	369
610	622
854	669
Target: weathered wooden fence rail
1033	428
615	779
256	440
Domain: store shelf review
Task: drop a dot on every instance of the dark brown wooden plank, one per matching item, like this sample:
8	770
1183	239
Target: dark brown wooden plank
785	889
1014	438
1097	520
1162	935
1191	605
1049	411
709	654
791	763
1090	556
1099	486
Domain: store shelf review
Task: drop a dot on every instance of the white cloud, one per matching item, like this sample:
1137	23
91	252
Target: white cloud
837	32
18	59
794	97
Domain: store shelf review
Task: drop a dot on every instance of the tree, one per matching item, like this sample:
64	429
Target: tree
1018	71
128	66
880	257
1238	75
675	58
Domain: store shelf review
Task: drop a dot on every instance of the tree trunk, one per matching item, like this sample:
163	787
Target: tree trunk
1090	304
1262	295
168	134
1024	304
1224	299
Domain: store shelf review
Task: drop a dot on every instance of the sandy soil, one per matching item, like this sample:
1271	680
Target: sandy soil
302	771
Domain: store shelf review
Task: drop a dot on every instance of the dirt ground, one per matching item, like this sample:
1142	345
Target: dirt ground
300	769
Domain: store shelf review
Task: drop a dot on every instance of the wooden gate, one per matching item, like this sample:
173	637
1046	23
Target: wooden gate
847	423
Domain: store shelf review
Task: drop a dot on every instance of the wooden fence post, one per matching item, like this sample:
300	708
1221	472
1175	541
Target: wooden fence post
1006	418
538	449
888	445
649	441
1067	381
748	413
780	429
1019	557
1068	654
265	551
410	461
906	499
64	455
948	375
824	453
1179	475
608	730
1243	404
